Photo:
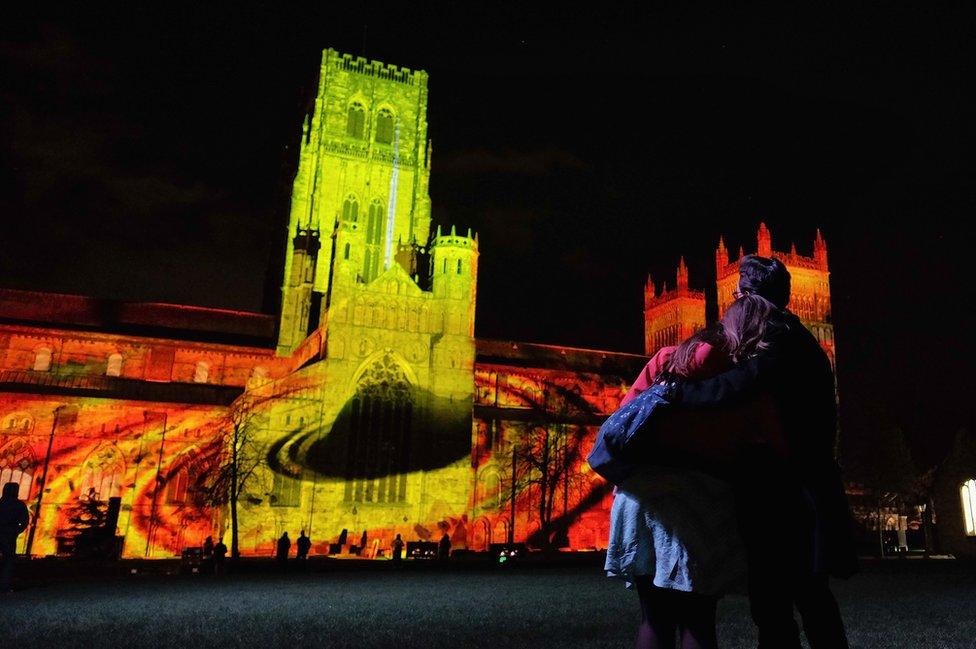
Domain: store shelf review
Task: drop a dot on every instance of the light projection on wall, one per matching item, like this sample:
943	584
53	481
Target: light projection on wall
367	416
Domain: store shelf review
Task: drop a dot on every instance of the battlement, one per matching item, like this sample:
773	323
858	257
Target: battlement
791	259
372	68
651	300
725	267
455	240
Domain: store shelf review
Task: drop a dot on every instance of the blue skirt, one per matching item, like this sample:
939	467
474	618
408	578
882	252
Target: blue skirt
679	527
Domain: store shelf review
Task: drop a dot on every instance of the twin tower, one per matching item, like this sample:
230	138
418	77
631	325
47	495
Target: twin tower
671	315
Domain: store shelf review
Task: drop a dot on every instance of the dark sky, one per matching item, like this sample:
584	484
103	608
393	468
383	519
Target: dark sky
149	155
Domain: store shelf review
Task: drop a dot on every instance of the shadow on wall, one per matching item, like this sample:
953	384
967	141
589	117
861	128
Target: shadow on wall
378	434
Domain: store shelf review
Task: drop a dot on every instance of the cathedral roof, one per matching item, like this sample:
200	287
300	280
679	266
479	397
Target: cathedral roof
157	319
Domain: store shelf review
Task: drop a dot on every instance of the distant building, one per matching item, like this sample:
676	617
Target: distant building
672	315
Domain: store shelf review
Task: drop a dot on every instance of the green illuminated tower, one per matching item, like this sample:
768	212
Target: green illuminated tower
378	435
361	186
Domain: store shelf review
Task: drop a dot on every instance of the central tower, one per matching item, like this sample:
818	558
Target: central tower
360	193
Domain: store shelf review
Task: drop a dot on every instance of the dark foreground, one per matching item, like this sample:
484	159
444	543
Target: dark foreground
888	606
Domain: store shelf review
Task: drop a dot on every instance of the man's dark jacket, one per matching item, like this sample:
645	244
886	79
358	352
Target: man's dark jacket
797	373
13	514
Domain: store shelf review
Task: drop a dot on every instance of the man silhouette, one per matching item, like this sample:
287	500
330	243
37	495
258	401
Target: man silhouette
397	550
303	545
13	520
208	550
444	548
793	515
281	554
219	552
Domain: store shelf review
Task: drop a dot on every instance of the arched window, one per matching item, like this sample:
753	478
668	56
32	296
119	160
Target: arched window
458	266
355	120
375	231
384	126
114	367
202	372
380	420
968	493
286	491
258	377
345	252
176	487
103	472
17	464
42	359
350	209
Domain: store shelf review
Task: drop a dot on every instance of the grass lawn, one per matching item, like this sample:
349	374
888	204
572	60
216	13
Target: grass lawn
917	606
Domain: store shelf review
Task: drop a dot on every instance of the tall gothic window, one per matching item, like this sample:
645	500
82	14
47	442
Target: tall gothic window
380	420
375	231
384	126
355	120
102	472
286	491
968	493
350	209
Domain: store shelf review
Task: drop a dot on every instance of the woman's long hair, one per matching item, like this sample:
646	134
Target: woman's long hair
745	324
681	363
740	334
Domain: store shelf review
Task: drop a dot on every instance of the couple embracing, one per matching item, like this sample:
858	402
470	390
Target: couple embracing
736	478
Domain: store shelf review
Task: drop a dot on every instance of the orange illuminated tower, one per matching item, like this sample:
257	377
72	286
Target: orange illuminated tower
672	315
810	283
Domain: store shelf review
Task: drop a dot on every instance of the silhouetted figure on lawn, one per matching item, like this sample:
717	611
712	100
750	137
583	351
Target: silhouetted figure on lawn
444	548
219	552
13	521
208	549
303	545
362	543
343	538
397	550
284	545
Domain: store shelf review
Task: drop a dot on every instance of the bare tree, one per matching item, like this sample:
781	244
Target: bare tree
882	462
244	449
544	461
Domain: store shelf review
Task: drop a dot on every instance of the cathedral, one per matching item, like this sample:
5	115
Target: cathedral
367	406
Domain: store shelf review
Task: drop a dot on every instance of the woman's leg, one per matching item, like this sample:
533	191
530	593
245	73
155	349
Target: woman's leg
658	622
696	618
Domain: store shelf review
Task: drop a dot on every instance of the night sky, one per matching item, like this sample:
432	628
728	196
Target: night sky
149	156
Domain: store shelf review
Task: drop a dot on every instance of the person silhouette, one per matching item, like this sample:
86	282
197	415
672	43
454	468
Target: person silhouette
303	545
444	548
219	552
284	545
397	550
13	520
208	549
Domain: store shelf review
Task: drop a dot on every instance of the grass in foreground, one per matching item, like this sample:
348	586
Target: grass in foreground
511	608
